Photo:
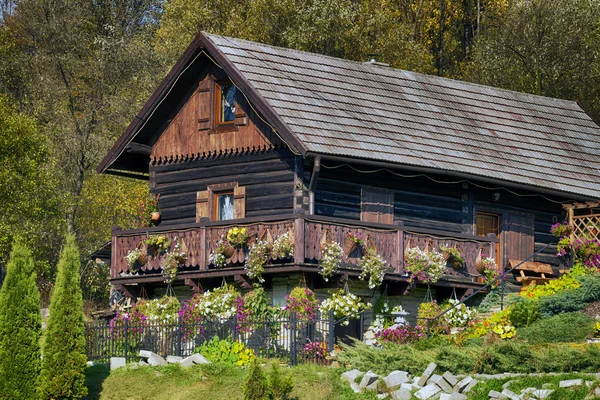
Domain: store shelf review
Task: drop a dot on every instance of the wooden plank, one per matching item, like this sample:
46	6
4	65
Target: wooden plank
532	266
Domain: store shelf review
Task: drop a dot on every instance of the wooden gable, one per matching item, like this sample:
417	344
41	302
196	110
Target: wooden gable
191	131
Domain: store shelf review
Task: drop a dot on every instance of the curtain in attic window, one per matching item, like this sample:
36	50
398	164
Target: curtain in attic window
225	207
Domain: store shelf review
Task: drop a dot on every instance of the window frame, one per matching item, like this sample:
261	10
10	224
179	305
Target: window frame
218	110
216	195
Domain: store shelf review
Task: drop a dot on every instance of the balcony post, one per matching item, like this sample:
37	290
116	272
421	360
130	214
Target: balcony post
299	245
399	247
202	257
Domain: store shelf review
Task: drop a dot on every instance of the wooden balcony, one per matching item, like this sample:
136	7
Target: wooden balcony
200	240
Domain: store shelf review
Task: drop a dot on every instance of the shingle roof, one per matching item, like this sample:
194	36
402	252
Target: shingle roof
352	109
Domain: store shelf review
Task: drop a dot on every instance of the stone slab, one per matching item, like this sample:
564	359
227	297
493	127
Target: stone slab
441	382
117	362
463	383
402	394
451	379
543	393
145	353
570	383
368	379
470	386
187	362
428	392
354	386
198	358
427	374
457	396
493	394
174	359
510	394
156	360
350	376
395	379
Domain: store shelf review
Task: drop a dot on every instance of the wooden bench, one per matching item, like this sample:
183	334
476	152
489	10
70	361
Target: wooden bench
532	271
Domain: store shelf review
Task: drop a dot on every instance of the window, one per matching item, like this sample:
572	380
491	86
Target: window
225	103
487	223
223	202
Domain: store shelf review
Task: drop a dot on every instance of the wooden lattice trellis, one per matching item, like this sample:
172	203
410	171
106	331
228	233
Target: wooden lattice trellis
584	218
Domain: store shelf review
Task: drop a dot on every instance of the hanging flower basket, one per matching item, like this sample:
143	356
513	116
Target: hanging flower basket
352	241
479	265
453	256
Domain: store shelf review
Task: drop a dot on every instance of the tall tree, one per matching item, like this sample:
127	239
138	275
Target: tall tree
64	362
551	49
20	328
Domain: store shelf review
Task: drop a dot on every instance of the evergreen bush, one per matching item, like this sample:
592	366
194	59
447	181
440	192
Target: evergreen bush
571	300
63	366
568	327
20	328
524	312
280	384
256	386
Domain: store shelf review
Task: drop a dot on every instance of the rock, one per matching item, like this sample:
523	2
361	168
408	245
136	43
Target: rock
407	386
506	384
597	391
354	386
529	390
494	394
174	359
156	360
457	396
426	374
543	393
510	394
463	383
395	379
368	380
402	394
451	379
382	396
351	376
470	386
198	358
445	396
117	362
428	391
588	383
90	363
570	383
143	363
145	353
187	362
441	382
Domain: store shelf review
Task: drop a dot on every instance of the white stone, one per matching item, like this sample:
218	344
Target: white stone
354	386
463	383
445	396
198	358
470	386
506	384
187	362
174	359
570	383
427	374
368	379
510	394
145	353
156	360
494	394
441	382
117	362
427	392
597	391
351	376
457	396
143	363
395	379
407	386
451	379
382	396
543	393
90	363
402	394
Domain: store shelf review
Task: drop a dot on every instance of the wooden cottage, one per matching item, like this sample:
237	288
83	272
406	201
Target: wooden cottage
242	134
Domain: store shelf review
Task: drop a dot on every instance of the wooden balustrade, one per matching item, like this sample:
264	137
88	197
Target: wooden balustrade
200	240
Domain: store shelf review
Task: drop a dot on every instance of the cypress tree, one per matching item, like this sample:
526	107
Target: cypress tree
20	328
255	385
64	363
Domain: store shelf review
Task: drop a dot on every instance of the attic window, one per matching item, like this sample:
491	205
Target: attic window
225	103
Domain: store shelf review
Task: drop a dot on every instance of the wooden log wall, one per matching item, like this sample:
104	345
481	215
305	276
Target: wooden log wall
267	175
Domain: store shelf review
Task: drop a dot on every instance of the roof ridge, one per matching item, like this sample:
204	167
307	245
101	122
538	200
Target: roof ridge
368	65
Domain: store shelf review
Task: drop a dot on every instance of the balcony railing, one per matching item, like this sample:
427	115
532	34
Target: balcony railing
200	240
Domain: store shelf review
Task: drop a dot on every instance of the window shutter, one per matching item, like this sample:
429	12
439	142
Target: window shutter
239	202
202	208
204	105
518	237
377	205
241	118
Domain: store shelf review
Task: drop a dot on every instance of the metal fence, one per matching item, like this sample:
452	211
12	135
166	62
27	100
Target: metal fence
288	338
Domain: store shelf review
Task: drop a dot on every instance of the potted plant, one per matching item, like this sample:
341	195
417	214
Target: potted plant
353	241
256	260
283	246
372	265
237	237
561	229
172	262
331	257
453	256
158	244
303	303
345	305
136	258
424	266
489	270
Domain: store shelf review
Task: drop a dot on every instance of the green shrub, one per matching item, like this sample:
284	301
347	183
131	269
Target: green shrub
460	360
568	327
504	356
493	299
64	363
524	312
225	351
572	300
255	384
280	384
20	328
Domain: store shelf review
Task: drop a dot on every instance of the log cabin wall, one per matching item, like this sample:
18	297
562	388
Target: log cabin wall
267	175
420	202
192	130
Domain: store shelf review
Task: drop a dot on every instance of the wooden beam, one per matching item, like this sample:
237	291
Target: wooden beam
138	148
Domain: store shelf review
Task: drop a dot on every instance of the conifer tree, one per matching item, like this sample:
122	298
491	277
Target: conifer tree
256	386
20	328
63	366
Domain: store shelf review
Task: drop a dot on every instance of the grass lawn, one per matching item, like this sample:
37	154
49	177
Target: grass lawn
214	382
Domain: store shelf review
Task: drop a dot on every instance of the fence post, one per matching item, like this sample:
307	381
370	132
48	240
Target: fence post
331	338
179	337
293	349
126	340
235	328
360	329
